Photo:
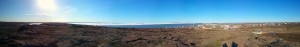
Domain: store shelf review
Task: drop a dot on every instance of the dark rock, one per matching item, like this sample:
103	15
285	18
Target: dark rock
234	44
23	28
193	44
225	45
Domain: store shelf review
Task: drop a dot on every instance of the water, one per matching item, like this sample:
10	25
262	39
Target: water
139	25
151	26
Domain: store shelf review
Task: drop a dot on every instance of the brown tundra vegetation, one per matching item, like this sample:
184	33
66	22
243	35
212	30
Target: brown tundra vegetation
15	34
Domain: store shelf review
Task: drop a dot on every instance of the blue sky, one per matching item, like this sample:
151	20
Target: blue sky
150	11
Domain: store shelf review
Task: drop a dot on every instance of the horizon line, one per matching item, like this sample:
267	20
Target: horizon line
158	23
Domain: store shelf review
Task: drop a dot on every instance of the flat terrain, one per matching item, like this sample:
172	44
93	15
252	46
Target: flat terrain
67	35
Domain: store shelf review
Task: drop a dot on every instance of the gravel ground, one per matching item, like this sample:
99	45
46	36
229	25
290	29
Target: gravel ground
67	35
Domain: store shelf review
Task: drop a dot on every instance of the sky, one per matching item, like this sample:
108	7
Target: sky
150	11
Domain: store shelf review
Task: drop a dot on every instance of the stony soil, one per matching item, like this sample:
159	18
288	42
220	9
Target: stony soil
66	35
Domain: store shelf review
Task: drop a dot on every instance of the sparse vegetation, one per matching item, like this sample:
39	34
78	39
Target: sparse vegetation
65	35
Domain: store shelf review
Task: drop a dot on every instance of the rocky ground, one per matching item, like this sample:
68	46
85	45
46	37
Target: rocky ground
67	35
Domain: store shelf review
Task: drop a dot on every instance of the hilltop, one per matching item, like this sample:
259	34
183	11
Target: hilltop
72	35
